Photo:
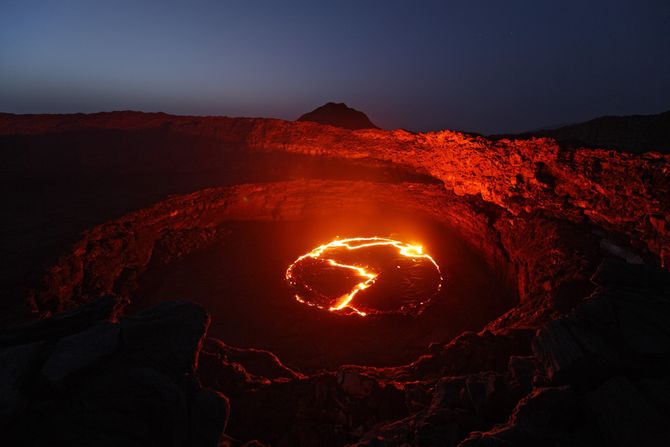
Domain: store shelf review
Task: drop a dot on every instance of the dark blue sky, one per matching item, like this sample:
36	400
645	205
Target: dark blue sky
486	66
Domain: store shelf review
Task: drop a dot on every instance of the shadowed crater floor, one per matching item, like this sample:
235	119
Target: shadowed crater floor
240	279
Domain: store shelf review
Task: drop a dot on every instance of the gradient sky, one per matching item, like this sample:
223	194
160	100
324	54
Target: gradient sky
483	66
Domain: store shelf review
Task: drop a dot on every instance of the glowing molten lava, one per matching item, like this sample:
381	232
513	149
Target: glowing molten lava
339	276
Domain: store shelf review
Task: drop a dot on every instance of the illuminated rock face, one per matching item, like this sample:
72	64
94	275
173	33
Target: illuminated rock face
619	192
366	276
587	333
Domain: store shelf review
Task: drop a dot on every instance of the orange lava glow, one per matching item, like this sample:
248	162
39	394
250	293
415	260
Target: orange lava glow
368	275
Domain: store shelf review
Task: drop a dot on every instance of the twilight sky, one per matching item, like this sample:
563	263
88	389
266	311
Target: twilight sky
474	65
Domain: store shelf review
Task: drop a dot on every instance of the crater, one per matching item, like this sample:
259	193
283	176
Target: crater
239	275
520	301
228	250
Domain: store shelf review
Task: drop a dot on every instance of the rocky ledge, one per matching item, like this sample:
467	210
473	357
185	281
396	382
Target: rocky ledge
619	192
93	377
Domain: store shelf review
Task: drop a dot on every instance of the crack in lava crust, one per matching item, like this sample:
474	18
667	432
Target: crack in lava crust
411	277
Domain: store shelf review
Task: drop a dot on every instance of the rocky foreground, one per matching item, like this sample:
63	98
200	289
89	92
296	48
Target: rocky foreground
597	376
583	358
89	378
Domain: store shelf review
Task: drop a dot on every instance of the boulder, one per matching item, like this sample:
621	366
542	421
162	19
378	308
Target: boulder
85	380
625	417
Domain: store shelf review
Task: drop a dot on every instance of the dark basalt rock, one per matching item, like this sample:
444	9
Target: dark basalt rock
80	351
625	417
82	378
547	416
623	325
166	337
105	308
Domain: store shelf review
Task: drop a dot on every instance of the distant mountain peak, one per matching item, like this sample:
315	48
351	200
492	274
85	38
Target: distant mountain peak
338	114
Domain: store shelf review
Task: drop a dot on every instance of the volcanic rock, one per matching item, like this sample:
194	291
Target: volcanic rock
339	115
86	381
80	351
105	308
167	337
547	416
622	325
585	336
625	417
258	362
